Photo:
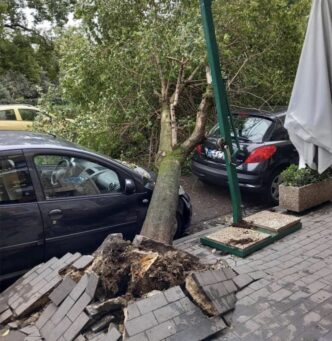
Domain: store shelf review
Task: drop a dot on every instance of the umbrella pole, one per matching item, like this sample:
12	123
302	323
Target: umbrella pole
224	115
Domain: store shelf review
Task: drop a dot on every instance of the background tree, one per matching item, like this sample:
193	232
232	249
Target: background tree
28	62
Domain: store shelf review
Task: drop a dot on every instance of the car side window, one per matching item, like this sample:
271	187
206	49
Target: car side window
28	114
15	181
65	176
7	115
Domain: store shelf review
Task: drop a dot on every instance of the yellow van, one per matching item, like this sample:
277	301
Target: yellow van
18	116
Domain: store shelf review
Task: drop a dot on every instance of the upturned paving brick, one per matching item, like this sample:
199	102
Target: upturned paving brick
62	291
140	324
202	330
14	335
242	280
92	284
78	307
169	311
113	335
151	303
76	327
46	315
64	308
5	316
132	311
173	294
83	262
162	331
60	329
79	288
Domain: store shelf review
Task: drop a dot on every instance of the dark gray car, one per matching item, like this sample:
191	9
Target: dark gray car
56	197
265	151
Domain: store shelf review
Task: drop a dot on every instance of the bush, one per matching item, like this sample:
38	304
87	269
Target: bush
293	176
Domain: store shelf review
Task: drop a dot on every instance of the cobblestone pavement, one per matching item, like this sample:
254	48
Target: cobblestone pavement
291	298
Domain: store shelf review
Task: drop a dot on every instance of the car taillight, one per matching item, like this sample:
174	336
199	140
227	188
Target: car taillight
199	149
261	154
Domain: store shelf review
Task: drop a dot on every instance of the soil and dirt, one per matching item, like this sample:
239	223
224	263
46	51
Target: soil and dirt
131	270
238	236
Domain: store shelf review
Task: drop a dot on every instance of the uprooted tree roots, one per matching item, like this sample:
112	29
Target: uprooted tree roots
135	269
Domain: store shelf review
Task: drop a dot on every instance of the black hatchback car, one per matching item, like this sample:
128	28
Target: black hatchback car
265	151
56	197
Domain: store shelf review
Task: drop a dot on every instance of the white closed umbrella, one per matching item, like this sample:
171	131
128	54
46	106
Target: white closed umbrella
309	115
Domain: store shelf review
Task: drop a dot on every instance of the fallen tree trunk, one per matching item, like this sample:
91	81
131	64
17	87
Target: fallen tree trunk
161	223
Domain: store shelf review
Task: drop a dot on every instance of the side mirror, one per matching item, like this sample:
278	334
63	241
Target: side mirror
130	187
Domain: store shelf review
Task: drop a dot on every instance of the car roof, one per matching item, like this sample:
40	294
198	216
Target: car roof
10	140
18	106
274	113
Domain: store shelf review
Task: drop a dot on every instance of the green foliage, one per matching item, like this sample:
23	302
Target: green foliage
110	67
293	176
26	53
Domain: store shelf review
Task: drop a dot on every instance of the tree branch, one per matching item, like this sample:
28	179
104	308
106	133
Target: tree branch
201	118
15	26
164	89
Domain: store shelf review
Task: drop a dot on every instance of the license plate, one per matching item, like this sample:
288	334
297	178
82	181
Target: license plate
214	154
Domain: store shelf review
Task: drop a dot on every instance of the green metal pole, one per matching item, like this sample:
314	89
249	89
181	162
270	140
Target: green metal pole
221	102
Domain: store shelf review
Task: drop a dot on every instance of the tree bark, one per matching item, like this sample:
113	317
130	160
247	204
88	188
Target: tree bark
165	129
160	223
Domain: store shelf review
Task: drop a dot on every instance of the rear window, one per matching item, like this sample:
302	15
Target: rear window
248	128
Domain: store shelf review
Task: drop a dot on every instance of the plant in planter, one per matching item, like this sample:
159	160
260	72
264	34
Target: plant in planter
304	188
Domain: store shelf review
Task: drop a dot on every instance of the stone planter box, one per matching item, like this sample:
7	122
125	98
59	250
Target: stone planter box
298	199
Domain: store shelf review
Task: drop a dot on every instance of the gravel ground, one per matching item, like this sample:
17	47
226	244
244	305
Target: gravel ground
212	204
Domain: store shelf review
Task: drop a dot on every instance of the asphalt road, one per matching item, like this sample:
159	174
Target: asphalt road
211	202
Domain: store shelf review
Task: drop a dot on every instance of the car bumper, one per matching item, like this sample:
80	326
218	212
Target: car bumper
252	182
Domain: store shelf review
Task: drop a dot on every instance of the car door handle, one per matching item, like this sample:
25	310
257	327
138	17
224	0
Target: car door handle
55	214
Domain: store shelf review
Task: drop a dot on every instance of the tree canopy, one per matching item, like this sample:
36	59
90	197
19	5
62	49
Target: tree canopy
28	61
112	67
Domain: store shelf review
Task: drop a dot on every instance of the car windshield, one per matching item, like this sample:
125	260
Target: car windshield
248	128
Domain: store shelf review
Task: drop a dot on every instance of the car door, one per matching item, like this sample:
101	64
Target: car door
27	117
83	201
21	226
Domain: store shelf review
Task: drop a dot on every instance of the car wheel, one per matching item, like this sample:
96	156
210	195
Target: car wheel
272	188
180	228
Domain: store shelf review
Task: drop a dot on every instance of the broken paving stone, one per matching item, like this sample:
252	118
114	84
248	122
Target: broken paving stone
149	317
62	291
13	325
30	330
83	262
5	316
112	335
242	280
76	327
14	336
28	294
92	284
213	291
46	315
204	329
200	297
